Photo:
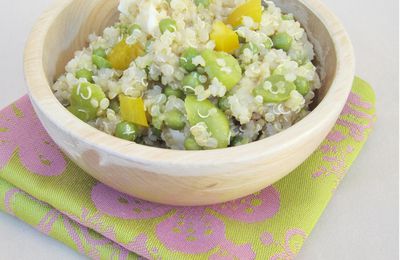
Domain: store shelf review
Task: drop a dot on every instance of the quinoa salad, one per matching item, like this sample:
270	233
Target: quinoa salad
193	74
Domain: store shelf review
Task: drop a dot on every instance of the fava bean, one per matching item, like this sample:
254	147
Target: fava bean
278	91
216	120
85	100
222	66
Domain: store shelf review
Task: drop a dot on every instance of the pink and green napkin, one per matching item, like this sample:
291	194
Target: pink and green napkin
41	186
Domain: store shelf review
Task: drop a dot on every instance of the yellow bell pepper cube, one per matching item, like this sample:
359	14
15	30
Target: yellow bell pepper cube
133	110
123	54
224	37
251	8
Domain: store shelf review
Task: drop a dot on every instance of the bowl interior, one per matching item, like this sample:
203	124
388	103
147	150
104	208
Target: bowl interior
69	34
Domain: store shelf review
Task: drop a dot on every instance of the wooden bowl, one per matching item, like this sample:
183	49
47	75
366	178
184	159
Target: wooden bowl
181	177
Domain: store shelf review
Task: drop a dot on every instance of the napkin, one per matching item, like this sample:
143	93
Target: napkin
41	186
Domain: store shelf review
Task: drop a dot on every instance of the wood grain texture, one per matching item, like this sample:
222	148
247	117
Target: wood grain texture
181	177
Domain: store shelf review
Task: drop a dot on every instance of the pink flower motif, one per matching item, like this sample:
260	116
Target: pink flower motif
230	251
321	172
355	100
267	238
47	222
335	136
92	225
254	208
8	199
334	155
80	235
139	246
195	230
20	129
93	221
294	238
117	204
357	131
353	108
191	230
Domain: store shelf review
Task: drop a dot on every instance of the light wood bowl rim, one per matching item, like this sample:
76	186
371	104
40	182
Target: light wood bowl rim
43	98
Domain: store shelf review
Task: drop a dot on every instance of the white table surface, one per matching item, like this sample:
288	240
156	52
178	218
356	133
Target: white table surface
361	221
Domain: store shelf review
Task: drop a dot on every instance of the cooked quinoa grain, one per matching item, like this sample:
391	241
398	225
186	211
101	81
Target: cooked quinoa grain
193	75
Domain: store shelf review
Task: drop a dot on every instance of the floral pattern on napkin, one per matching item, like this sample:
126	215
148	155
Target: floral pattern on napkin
42	187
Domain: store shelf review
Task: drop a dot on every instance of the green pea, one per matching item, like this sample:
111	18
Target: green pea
169	91
157	122
268	43
251	46
204	3
114	105
156	132
85	99
133	27
123	28
301	59
240	140
127	131
187	58
84	73
302	85
282	41
191	81
100	52
215	119
223	103
191	145
100	62
279	92
287	17
127	29
167	24
174	119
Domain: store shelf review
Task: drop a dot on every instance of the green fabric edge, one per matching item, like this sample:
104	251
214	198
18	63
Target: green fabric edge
32	212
